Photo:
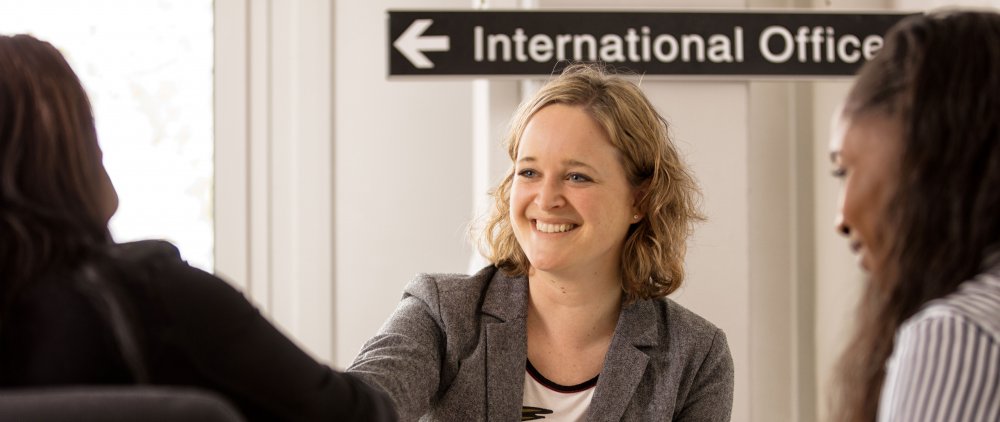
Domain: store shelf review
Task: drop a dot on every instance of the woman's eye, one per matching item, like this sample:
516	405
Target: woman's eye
839	172
577	177
527	173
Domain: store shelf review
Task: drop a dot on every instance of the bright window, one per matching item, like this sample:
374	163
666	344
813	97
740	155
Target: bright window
147	66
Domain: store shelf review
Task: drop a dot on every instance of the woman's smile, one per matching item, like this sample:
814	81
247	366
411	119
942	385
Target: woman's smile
554	227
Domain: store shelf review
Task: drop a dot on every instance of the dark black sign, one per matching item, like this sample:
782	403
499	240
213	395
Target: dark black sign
651	43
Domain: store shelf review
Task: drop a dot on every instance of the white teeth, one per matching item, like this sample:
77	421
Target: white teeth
553	228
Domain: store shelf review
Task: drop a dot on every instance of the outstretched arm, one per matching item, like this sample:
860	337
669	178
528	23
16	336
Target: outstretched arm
404	358
237	351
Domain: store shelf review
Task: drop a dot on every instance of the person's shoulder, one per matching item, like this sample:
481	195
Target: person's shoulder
456	301
975	305
156	266
681	320
688	339
145	251
437	286
689	333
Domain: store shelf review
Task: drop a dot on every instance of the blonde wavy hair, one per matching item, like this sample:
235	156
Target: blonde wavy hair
652	263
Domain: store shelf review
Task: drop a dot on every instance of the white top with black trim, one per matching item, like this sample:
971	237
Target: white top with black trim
946	361
546	400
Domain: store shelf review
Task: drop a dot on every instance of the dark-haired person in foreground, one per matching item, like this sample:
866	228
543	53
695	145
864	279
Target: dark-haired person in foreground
78	309
918	150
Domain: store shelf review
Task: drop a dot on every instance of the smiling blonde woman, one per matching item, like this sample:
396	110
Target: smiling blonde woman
571	321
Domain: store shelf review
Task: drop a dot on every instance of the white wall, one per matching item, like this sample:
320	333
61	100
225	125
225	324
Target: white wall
273	158
718	282
403	173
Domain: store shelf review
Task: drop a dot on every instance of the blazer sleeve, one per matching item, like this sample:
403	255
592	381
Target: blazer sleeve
241	353
711	396
404	359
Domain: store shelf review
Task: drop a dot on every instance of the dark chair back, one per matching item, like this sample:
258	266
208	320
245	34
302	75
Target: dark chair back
110	404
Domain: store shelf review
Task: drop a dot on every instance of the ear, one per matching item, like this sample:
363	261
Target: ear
638	193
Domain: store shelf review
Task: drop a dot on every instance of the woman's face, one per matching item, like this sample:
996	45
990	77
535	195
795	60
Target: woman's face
571	203
866	151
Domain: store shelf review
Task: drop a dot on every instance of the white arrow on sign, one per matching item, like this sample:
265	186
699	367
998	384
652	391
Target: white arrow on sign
413	45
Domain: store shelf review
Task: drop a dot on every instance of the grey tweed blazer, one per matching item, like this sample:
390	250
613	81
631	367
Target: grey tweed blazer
455	350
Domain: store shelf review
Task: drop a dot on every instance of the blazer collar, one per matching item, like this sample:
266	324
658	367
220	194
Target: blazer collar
506	299
626	362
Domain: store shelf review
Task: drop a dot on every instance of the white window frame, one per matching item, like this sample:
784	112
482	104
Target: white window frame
273	161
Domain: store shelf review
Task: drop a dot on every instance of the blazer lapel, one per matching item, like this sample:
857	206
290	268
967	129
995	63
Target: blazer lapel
506	346
625	362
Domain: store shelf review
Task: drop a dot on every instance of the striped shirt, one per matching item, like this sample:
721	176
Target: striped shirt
946	362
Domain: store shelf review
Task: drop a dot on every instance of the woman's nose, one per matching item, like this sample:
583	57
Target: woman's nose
841	225
550	195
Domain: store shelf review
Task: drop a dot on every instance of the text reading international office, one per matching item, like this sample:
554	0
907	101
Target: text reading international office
651	43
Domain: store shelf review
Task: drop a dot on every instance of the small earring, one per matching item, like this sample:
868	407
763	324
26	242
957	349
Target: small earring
635	217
